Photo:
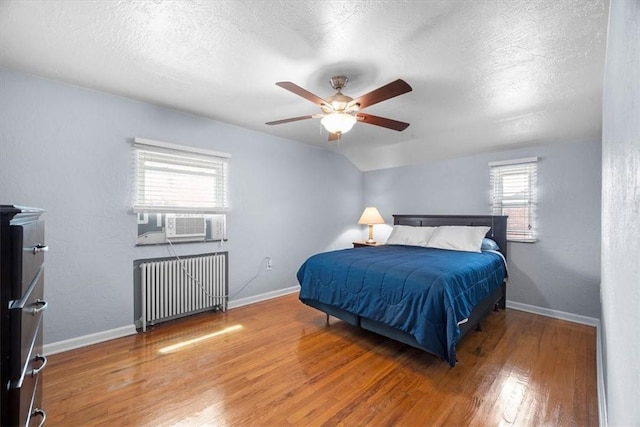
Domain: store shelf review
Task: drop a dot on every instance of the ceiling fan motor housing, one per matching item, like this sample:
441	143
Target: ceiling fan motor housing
338	103
338	82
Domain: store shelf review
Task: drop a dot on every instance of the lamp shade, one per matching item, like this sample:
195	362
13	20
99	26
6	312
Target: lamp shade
371	216
338	122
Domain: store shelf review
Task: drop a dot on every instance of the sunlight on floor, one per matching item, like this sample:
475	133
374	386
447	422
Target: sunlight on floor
183	344
513	391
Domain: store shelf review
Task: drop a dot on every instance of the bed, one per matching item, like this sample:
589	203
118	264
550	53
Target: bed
429	298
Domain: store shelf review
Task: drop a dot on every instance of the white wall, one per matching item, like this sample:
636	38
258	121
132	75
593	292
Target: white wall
561	271
67	150
621	214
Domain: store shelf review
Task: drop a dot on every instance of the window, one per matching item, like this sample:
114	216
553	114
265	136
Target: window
173	178
513	193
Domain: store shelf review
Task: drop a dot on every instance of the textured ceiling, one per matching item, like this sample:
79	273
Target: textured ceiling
486	75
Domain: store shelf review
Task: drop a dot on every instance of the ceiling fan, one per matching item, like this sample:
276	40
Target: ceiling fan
341	112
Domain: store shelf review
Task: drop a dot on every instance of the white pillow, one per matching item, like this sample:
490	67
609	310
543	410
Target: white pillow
458	238
411	236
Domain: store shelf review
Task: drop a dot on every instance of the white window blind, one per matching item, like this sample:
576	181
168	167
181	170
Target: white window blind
513	193
173	178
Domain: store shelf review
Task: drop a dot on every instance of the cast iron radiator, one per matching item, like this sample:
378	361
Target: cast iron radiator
178	287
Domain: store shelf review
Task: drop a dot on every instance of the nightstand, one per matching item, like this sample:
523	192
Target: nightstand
363	244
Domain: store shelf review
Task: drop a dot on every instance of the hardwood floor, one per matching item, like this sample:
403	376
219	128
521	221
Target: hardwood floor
279	364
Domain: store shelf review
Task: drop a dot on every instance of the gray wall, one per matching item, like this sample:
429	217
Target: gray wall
561	271
67	150
621	214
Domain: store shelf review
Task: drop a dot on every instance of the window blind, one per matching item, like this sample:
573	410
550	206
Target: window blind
173	178
513	193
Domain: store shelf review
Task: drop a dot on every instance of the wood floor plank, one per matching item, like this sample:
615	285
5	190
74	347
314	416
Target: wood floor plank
285	366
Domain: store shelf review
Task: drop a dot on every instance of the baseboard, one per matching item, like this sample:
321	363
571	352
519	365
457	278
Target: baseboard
602	396
98	337
584	320
556	314
263	297
85	340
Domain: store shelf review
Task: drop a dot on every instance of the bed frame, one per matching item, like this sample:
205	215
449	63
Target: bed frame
496	300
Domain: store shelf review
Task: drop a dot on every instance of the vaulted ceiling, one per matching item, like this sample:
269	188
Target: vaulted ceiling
486	75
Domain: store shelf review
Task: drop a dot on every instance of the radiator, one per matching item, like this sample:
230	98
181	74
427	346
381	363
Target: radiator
176	288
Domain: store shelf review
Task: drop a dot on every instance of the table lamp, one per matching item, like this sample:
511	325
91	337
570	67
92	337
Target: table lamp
371	216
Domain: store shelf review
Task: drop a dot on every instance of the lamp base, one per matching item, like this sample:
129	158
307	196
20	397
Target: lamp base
370	239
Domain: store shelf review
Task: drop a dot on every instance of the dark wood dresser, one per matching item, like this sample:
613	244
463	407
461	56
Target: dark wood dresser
22	305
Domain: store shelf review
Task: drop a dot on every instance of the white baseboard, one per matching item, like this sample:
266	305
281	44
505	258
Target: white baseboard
98	337
85	340
585	320
602	395
263	297
556	314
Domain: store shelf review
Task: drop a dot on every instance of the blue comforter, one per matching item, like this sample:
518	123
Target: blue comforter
425	292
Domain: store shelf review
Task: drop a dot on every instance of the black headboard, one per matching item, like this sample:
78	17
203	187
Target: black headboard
497	223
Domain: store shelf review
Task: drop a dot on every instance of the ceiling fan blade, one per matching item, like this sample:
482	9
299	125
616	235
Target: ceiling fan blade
292	87
334	136
292	119
383	93
382	121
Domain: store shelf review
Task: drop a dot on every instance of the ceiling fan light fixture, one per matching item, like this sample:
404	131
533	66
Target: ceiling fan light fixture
339	123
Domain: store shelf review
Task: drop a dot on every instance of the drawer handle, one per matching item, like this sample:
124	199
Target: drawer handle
41	358
37	412
42	306
40	248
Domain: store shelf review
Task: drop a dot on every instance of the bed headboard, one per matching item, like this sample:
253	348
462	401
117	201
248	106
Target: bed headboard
497	223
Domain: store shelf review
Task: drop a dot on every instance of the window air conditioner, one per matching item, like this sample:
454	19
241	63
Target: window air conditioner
185	227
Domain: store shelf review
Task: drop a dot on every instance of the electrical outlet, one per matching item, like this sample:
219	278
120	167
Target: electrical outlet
269	264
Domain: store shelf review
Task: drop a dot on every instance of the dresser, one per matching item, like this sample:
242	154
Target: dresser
22	249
